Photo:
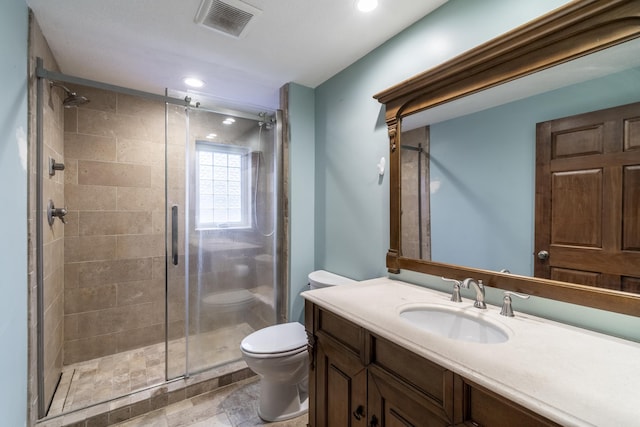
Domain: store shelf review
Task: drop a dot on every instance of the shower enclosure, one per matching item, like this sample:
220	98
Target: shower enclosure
169	251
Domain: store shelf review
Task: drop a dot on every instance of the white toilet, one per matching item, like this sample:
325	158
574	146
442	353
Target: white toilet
278	354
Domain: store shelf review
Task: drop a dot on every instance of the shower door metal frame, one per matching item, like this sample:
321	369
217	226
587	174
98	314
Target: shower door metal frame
39	243
281	221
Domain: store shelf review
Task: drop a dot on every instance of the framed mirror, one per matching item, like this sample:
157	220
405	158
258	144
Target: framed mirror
463	149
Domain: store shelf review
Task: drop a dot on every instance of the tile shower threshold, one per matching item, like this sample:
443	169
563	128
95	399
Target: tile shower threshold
151	398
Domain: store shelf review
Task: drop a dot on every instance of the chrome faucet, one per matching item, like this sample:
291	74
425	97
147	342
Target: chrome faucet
479	287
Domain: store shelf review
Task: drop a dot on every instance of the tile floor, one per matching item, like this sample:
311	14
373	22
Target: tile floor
232	406
87	383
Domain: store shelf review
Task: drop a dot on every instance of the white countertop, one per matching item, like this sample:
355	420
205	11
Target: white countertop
572	376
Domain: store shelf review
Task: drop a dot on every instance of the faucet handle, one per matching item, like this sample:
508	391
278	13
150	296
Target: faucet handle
455	296
507	310
53	212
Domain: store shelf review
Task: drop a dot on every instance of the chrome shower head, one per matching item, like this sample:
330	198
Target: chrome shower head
72	99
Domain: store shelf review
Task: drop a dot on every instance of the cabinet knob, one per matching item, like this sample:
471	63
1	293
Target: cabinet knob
374	421
359	412
543	255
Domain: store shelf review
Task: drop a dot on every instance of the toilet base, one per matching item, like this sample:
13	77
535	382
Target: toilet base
279	402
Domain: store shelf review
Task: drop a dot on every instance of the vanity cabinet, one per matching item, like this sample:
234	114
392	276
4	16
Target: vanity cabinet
359	379
338	375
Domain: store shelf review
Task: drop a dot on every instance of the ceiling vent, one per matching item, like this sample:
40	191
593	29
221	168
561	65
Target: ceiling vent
230	17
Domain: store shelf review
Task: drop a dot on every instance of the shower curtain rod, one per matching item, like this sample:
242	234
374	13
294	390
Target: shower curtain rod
42	72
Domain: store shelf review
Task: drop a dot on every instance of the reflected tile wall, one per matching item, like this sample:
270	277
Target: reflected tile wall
114	297
412	176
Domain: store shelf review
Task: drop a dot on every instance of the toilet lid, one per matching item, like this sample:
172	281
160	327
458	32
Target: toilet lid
276	339
324	279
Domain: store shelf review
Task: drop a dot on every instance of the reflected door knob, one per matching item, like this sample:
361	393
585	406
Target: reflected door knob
543	255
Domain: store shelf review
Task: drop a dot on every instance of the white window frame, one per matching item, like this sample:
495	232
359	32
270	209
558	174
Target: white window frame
202	220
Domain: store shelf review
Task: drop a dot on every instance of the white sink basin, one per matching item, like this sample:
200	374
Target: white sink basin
455	324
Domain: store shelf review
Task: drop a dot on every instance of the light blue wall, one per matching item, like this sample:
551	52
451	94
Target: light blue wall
301	194
352	204
13	220
483	212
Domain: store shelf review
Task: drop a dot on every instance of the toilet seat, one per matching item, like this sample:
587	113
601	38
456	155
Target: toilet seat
275	355
276	341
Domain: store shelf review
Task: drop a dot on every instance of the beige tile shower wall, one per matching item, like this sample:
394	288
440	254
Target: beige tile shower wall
53	237
53	243
114	240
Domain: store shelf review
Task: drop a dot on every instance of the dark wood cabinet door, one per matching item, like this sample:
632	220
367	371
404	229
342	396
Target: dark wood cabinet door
394	403
341	386
588	199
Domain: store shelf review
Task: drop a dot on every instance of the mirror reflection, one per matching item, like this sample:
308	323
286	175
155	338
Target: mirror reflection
468	172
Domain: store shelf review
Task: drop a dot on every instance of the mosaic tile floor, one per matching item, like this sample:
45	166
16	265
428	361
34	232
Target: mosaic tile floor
232	406
87	383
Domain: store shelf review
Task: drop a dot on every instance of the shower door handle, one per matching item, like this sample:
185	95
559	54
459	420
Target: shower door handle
174	234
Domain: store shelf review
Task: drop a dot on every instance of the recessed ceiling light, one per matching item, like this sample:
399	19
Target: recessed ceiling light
228	121
193	82
366	5
211	136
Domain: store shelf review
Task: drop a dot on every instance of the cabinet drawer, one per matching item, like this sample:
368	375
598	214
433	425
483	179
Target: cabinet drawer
433	381
485	408
340	329
394	403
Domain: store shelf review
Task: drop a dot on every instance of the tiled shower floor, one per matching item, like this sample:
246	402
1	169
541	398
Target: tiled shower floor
98	380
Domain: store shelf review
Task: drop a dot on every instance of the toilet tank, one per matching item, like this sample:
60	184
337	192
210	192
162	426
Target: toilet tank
322	279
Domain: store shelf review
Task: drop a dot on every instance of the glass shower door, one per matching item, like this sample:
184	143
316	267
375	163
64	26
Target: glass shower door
220	267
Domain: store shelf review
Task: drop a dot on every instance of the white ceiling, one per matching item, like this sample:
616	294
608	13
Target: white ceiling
151	45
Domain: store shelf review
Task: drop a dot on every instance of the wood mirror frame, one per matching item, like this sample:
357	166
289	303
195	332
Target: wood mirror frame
572	31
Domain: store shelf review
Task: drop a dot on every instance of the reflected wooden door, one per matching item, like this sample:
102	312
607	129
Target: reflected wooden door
588	199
